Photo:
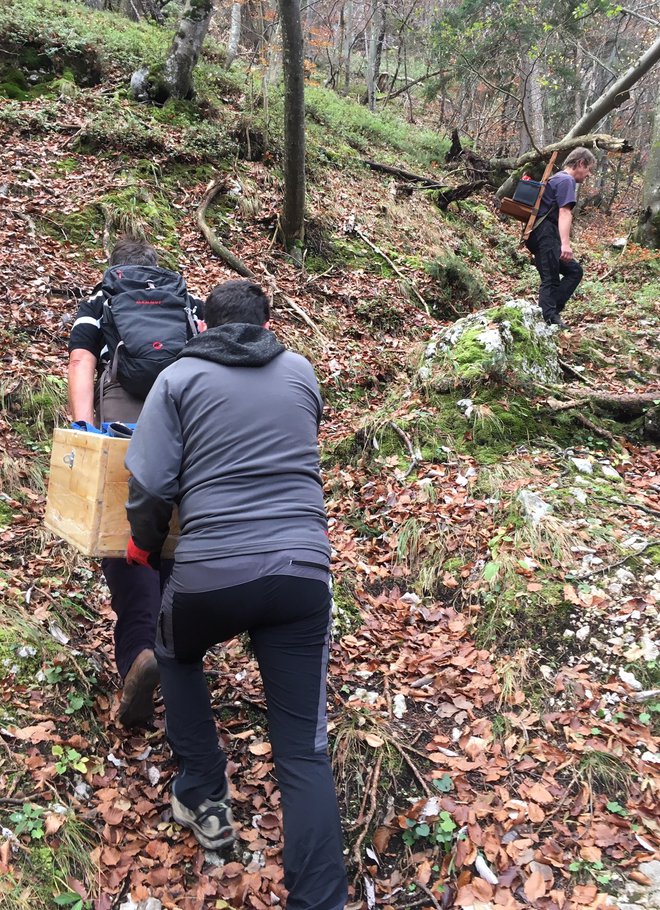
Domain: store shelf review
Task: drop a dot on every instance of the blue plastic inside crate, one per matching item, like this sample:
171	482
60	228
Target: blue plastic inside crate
527	192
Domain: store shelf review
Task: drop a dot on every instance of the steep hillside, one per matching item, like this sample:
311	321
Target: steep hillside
494	688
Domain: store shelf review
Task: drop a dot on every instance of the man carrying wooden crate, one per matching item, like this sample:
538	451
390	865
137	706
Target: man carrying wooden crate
135	322
550	241
235	422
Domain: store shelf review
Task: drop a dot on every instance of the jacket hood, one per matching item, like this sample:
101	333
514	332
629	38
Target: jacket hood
236	344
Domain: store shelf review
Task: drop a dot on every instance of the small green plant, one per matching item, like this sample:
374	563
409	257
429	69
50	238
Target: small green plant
69	759
76	701
29	820
617	808
72	900
594	870
439	833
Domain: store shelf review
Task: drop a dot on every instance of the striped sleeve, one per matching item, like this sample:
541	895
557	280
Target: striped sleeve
86	331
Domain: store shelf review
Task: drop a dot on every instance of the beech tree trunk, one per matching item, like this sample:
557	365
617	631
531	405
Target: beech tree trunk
234	33
648	231
532	130
293	216
186	47
370	48
348	45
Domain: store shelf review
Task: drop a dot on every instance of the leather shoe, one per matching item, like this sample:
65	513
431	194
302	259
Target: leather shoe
136	707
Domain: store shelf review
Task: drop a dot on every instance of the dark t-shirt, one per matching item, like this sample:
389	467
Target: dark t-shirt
559	192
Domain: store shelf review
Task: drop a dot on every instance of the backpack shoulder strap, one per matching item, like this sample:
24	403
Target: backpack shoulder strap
531	223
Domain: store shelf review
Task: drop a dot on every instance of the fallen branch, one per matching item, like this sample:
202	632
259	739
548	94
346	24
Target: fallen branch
398	172
635	505
592	140
615	565
555	405
218	248
569	369
352	228
444	198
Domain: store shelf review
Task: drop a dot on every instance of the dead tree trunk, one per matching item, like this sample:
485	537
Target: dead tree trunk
293	216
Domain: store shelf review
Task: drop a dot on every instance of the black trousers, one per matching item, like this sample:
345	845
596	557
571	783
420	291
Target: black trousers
288	622
136	596
559	279
136	591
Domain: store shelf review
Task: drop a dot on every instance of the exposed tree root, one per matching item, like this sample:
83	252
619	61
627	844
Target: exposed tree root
211	238
599	431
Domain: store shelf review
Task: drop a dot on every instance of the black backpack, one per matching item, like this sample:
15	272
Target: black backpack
147	319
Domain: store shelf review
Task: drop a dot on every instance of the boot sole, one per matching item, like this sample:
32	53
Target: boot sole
138	707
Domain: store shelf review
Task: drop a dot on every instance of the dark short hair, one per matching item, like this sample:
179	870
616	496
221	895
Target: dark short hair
236	301
129	251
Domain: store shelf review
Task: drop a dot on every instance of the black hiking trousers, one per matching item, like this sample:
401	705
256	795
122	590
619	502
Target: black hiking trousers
559	279
288	620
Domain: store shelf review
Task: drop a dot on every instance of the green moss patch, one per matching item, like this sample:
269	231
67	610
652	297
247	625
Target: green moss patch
505	341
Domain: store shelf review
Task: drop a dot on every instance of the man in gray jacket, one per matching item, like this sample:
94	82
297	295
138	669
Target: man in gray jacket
228	434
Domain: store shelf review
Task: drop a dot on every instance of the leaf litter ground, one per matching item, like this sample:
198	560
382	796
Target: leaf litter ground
524	775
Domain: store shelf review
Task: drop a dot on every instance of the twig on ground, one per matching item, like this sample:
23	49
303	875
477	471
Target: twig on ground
411	764
291	305
414	460
372	811
574	372
429	894
635	505
601	569
352	228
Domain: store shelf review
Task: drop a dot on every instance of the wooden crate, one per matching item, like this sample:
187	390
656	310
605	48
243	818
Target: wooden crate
87	493
517	210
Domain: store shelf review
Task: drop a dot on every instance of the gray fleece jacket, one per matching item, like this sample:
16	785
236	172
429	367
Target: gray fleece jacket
228	433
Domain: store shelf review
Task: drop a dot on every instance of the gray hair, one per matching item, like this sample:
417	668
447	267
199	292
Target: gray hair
580	155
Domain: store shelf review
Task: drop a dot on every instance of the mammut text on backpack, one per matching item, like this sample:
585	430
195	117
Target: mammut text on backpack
146	322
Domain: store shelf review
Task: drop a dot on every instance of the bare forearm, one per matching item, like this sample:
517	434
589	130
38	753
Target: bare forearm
565	225
82	372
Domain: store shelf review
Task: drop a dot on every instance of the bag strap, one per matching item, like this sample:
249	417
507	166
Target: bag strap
531	223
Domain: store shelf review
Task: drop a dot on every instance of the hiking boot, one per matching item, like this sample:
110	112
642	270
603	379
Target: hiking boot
210	822
137	698
556	320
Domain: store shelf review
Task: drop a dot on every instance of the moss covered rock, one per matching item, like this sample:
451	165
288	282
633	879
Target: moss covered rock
510	341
